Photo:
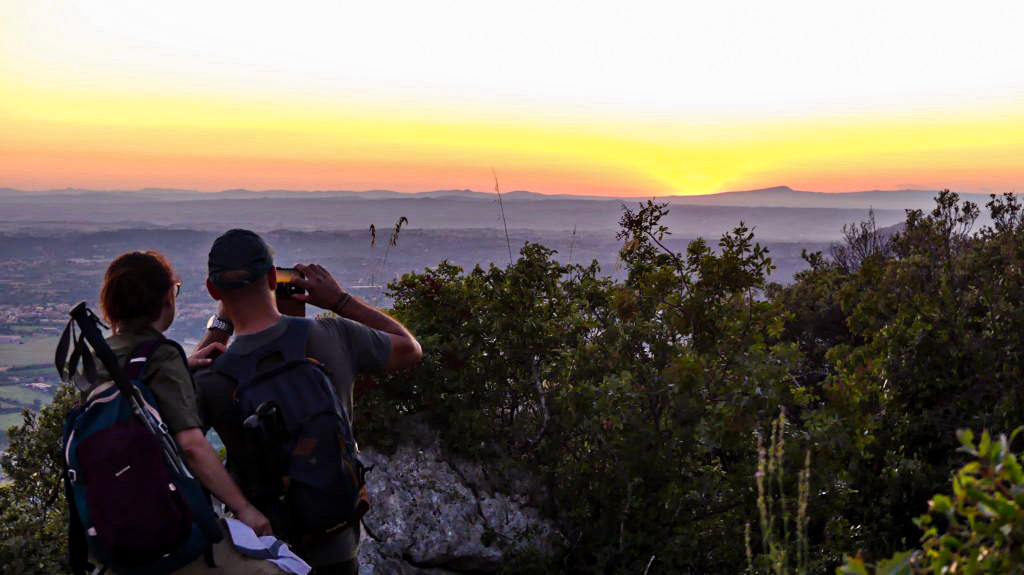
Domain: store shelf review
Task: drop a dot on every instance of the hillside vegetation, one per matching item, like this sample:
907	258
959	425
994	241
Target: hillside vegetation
651	406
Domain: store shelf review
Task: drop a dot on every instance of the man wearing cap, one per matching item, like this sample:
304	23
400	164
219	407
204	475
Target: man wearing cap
362	339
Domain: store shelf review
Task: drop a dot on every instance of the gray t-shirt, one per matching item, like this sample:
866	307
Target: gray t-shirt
345	348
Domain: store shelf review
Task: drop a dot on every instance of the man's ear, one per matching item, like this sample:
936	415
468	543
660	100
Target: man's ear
213	289
272	279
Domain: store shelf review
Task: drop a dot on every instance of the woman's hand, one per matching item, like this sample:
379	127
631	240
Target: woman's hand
255	520
210	471
204	356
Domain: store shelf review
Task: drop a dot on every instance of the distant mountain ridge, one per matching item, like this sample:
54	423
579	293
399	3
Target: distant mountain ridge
786	197
773	197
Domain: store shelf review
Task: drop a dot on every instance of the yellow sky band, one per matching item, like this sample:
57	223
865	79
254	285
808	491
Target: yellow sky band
85	137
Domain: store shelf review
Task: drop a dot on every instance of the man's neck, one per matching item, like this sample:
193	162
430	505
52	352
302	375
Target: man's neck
253	318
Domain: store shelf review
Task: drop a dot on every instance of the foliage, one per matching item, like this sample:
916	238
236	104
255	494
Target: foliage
33	513
975	531
932	344
634	399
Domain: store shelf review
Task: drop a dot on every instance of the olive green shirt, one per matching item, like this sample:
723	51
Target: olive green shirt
167	376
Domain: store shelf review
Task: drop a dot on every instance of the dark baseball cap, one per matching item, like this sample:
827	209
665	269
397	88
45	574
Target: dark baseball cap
238	258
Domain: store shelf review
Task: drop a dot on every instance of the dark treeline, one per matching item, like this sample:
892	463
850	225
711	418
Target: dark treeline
650	406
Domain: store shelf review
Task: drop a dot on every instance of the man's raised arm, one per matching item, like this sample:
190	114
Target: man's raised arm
325	292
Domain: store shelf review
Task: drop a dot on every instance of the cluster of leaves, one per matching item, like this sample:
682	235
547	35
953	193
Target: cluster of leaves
33	513
975	531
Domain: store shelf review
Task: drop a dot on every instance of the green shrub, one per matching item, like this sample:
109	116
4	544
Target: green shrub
976	530
33	513
633	400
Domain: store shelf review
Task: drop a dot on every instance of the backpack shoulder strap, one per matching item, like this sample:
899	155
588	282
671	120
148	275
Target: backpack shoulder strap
291	346
139	358
78	551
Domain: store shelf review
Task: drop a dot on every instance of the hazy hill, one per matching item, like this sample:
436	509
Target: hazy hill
786	197
61	213
777	214
779	197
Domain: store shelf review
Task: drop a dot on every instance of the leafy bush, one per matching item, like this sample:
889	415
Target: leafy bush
918	342
33	513
634	400
637	399
978	529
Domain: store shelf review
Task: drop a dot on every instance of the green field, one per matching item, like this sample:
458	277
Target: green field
29	351
29	328
9	419
23	395
43	369
6	421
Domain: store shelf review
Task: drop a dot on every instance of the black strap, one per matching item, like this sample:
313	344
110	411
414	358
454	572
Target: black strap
78	549
134	368
88	363
67	365
89	325
77	343
60	357
76	353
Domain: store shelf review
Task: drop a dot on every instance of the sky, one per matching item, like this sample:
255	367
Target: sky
583	97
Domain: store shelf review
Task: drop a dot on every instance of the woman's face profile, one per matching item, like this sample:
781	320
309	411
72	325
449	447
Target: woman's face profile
169	308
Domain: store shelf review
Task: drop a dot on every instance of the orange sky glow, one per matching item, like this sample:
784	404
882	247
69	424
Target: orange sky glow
339	96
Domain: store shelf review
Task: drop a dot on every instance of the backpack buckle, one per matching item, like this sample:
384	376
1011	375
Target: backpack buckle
162	427
72	475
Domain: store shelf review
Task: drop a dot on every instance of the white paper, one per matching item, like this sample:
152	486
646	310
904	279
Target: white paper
267	547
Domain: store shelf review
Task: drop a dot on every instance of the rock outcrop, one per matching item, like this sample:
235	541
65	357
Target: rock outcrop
434	512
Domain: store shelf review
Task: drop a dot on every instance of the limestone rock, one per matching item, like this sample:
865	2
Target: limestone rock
433	512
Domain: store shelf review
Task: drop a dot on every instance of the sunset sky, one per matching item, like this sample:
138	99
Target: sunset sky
588	97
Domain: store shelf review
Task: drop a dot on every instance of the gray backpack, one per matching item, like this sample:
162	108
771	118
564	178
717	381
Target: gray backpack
299	466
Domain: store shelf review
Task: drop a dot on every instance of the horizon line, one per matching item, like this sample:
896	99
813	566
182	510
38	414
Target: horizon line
777	188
